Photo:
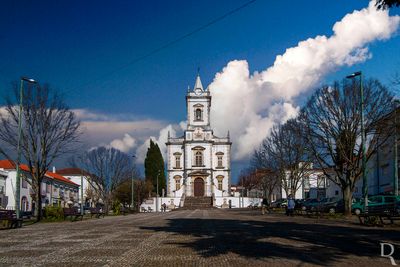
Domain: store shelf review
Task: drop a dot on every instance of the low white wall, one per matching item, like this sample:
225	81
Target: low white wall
220	202
237	202
171	202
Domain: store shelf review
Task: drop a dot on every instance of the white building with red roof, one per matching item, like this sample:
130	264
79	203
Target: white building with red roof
84	180
3	176
55	189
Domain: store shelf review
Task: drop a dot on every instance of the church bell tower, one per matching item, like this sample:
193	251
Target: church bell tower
198	104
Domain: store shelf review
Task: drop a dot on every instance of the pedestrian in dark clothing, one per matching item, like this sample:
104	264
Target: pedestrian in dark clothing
290	206
264	205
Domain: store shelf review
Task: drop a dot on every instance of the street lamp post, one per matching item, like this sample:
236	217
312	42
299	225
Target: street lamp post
18	176
133	156
81	192
364	177
158	174
82	188
396	167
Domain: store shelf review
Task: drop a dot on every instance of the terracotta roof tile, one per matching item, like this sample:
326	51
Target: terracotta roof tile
60	178
10	165
73	171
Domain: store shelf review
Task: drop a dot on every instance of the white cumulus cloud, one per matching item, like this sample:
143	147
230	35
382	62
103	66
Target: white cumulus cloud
160	140
250	104
125	144
121	131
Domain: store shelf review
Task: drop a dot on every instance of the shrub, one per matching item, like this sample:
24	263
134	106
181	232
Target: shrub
116	207
53	213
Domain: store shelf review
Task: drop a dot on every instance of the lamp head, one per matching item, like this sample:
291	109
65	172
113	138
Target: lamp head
29	80
358	73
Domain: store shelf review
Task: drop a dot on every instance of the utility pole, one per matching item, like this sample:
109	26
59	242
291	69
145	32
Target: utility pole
133	164
18	175
158	174
81	192
396	167
364	176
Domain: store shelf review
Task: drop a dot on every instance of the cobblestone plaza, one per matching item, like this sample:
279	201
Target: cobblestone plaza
197	238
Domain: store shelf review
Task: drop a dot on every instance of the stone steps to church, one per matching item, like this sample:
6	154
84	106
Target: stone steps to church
197	203
196	208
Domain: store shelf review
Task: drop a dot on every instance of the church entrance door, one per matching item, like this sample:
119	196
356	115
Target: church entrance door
198	187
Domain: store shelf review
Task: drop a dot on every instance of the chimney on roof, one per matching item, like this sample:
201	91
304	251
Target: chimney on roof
54	169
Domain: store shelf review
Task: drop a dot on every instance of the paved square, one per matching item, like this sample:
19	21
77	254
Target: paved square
197	238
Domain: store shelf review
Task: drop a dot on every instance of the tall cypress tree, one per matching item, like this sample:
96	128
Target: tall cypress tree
154	167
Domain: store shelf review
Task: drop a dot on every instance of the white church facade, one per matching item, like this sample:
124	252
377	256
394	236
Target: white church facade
198	163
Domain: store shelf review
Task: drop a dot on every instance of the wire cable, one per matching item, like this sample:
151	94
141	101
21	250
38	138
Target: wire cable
175	41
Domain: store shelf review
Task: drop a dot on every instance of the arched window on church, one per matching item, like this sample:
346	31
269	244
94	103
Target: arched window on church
198	114
177	182
177	160
219	159
199	158
220	178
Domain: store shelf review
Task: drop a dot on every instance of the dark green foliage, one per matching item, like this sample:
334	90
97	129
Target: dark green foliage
154	167
116	207
123	193
53	213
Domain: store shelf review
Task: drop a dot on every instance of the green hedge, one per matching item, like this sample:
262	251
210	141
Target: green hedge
116	207
53	213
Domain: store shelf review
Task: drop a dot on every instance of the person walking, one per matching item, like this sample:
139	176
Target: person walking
290	205
264	205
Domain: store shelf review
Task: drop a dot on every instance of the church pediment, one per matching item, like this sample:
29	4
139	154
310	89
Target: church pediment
198	173
198	148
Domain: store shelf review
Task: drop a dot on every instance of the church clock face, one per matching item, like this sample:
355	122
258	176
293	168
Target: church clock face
197	91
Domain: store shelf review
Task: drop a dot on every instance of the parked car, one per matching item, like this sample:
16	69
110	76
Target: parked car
298	204
320	205
375	202
280	203
334	207
307	202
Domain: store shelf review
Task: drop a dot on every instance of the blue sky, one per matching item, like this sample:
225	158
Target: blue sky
81	48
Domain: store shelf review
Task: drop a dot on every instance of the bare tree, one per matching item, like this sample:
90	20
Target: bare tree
385	4
109	167
248	179
93	194
123	192
331	120
269	182
395	81
287	147
267	173
49	130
